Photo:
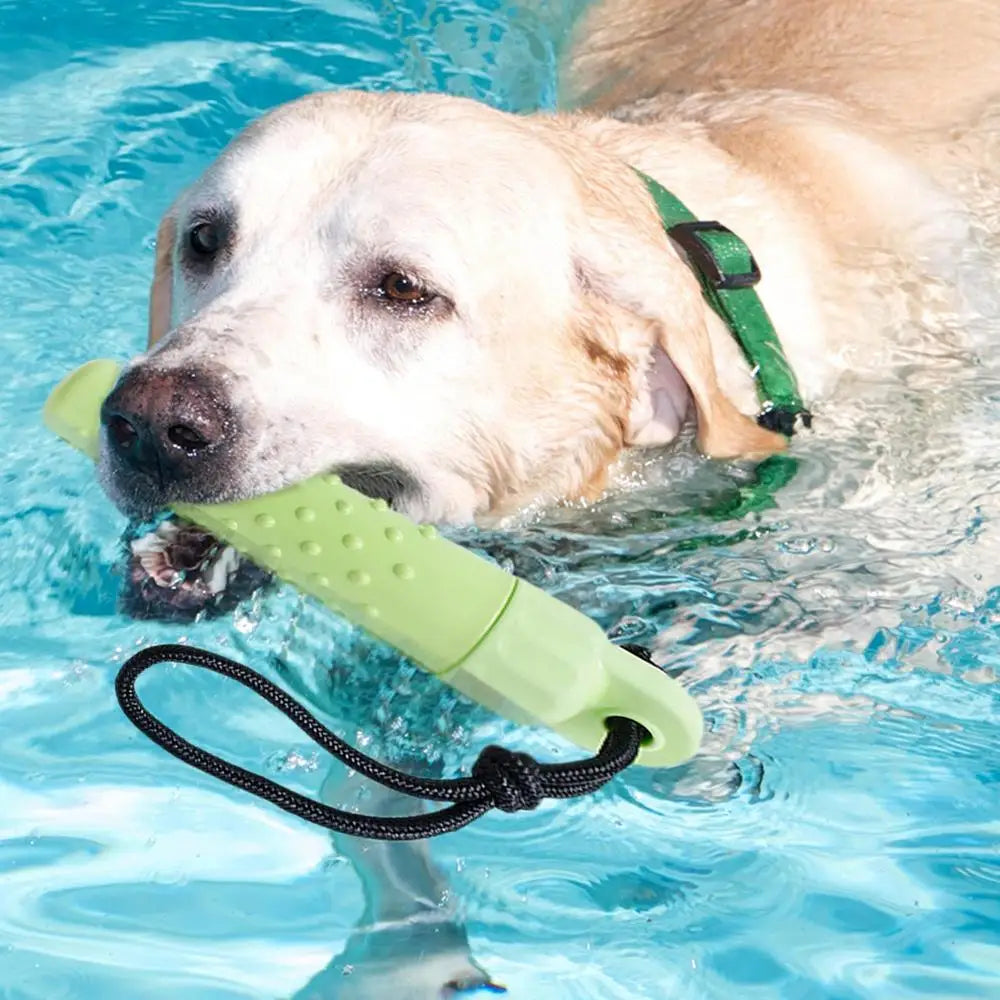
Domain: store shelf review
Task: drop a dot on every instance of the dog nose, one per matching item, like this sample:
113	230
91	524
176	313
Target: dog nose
166	424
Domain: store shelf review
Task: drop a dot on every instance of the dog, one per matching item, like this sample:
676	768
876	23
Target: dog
468	312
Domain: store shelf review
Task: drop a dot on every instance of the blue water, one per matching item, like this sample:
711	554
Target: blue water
838	837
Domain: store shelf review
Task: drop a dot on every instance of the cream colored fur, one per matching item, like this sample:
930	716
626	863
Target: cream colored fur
823	131
819	131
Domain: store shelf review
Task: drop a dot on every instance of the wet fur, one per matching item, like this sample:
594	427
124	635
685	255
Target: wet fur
550	354
820	130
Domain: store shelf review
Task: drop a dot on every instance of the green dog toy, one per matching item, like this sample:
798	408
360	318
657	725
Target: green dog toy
497	639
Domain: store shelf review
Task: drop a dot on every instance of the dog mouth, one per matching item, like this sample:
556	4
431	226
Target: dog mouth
178	571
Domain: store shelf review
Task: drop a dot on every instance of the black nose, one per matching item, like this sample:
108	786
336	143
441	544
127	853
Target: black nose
167	424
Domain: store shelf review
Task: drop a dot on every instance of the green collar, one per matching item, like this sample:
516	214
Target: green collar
728	272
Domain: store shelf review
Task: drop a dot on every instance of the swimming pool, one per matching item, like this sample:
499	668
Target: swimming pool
838	837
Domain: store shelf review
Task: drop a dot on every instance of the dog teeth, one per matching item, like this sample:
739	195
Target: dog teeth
155	566
221	570
154	552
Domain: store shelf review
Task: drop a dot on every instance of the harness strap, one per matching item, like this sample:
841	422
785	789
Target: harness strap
727	271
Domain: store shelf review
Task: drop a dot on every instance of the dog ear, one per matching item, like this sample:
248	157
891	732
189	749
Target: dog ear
161	291
623	255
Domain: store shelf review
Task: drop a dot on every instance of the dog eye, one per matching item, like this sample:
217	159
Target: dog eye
399	288
205	239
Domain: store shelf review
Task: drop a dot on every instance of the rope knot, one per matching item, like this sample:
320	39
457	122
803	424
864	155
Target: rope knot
501	779
513	780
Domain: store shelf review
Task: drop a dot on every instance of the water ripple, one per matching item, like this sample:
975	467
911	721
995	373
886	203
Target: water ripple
835	838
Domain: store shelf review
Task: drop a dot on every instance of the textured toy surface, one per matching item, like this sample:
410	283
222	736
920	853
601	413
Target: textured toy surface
496	638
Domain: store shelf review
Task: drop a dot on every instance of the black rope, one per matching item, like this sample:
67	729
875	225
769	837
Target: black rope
500	779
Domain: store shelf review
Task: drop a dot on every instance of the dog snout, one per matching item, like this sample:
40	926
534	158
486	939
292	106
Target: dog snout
167	425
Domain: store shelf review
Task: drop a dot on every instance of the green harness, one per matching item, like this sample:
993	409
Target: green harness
727	271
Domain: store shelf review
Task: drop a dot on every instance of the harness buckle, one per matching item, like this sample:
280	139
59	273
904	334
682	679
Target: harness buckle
686	236
784	419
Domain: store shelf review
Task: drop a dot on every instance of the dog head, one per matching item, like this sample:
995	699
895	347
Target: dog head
460	310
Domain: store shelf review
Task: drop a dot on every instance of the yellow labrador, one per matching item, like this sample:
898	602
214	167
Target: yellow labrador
467	312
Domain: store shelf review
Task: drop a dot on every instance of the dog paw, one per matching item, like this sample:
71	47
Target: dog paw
476	984
425	977
422	964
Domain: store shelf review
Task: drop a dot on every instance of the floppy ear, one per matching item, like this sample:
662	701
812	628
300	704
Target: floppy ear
623	255
161	291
